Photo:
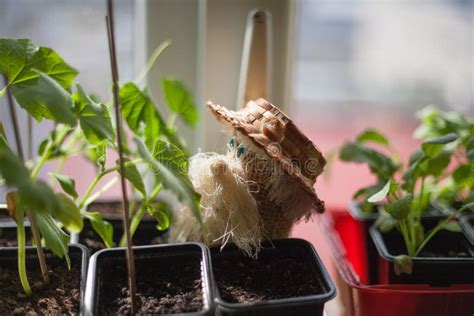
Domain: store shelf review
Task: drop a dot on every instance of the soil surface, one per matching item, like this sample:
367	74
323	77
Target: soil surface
163	287
61	296
246	280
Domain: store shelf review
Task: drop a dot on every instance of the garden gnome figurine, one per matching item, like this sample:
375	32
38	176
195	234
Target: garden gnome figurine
260	187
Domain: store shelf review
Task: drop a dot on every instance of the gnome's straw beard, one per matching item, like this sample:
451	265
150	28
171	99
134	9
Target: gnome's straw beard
228	209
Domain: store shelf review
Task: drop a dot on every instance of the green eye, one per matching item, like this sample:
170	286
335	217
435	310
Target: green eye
240	150
231	144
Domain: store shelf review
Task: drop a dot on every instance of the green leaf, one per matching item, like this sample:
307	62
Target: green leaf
140	113
171	155
452	226
178	183
69	214
401	208
132	175
436	165
94	118
11	169
371	135
161	212
403	264
35	195
379	164
468	206
42	97
385	222
180	101
19	57
103	228
38	196
68	184
434	146
380	195
464	174
98	154
366	191
54	237
143	118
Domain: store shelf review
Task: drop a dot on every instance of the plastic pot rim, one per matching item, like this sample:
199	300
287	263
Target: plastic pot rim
287	302
382	250
206	275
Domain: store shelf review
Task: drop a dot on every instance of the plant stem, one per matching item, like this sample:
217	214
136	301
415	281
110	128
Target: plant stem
137	217
39	247
62	133
406	237
20	229
126	220
34	226
152	60
99	176
436	229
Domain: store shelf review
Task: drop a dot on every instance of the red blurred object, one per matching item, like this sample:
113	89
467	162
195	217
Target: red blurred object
347	250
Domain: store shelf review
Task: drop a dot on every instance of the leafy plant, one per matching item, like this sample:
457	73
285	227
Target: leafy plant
459	184
42	84
402	193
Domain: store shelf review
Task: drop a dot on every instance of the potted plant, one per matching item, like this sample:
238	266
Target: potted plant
34	79
286	278
170	279
157	145
407	192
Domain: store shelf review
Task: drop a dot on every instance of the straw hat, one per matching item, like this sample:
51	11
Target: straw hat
271	130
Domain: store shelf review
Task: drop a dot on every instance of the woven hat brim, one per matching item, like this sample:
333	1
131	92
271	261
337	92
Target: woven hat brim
237	122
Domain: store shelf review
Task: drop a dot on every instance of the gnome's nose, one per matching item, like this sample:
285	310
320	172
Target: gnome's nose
219	168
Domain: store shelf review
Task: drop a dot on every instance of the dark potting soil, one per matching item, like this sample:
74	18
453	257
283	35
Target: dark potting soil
164	287
61	296
246	280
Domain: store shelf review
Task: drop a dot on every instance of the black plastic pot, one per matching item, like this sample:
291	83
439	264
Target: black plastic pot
161	258
8	233
79	256
365	221
146	234
312	304
430	267
467	223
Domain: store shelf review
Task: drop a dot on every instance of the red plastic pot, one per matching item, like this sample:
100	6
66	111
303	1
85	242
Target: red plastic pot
388	300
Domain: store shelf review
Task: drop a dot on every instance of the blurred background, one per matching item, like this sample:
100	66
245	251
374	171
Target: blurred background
338	66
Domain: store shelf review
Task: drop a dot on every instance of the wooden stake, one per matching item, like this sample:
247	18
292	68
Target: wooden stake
34	226
115	86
